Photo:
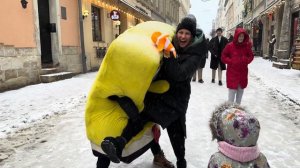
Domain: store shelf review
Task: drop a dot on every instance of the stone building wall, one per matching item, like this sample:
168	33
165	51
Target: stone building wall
71	59
18	67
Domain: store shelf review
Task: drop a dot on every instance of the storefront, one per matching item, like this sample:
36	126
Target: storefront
294	27
295	37
257	35
295	23
105	20
269	22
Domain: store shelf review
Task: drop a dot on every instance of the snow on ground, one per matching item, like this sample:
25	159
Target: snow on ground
30	104
286	82
59	140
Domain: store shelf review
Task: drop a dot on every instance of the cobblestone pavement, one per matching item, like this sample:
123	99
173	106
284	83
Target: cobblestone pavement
64	145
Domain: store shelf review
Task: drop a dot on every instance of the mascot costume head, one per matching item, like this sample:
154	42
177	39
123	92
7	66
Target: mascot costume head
128	69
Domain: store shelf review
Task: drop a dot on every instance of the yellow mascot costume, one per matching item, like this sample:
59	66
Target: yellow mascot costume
128	68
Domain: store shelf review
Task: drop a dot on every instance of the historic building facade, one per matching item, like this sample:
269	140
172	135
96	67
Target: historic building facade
103	21
184	8
129	13
220	21
262	19
164	11
69	36
229	15
36	35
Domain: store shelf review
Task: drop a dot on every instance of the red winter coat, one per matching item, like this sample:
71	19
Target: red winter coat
237	56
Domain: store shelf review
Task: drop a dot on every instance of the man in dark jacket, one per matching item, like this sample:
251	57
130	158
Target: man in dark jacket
272	46
201	66
167	109
216	46
230	39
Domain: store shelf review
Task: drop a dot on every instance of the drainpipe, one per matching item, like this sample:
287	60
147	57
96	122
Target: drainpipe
83	56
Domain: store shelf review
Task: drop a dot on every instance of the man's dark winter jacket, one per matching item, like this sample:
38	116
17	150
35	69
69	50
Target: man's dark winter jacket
216	48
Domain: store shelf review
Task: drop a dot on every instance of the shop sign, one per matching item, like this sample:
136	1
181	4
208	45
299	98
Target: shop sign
115	15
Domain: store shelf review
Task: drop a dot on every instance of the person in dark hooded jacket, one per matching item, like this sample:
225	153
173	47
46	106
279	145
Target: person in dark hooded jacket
201	66
237	55
167	109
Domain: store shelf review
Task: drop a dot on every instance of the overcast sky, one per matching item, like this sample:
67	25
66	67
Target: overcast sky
205	12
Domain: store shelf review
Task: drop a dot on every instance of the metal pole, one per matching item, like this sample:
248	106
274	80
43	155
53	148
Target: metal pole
83	56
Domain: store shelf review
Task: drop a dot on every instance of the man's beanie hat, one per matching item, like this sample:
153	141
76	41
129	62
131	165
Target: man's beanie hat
189	23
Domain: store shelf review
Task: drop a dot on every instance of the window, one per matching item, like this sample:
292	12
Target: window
96	24
63	13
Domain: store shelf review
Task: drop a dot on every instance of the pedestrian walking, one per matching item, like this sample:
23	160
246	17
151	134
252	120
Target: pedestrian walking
237	132
167	109
272	43
216	46
199	71
237	55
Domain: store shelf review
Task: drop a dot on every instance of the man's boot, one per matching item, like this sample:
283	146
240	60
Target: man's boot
113	148
161	161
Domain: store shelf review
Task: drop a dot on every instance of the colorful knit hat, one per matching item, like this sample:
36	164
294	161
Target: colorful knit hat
232	124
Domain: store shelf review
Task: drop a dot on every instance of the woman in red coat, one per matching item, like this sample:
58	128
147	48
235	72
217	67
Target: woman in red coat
237	55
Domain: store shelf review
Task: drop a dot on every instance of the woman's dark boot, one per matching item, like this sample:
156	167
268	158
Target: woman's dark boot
103	162
113	148
181	163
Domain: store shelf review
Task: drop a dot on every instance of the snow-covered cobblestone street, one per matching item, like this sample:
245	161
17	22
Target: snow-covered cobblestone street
43	125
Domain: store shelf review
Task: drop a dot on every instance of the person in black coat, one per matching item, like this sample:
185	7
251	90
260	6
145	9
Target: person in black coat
167	109
230	39
272	46
216	46
201	66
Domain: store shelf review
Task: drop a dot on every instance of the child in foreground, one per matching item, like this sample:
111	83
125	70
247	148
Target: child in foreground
237	132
